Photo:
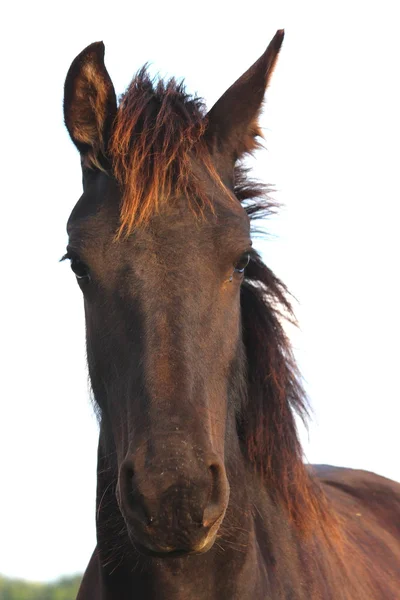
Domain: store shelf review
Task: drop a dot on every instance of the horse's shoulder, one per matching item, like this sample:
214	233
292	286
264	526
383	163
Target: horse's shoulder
362	493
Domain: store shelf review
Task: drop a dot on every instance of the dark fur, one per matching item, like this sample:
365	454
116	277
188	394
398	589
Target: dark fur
188	358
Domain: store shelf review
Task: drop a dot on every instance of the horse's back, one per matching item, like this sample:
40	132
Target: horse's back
368	507
378	495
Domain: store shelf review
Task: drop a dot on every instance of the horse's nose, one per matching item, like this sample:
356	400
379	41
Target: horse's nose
174	507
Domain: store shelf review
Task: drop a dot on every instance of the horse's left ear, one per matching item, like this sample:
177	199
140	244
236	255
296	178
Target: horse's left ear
90	105
233	120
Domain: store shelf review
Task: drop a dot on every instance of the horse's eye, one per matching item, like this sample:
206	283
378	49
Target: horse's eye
80	269
242	263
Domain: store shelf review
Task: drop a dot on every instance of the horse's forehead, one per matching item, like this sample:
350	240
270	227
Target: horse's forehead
96	216
182	239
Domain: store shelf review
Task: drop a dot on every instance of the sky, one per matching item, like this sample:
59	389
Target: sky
332	130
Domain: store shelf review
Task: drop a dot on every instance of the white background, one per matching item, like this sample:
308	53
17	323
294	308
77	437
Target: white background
332	132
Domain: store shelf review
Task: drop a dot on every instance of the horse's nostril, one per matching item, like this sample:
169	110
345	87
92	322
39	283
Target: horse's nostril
131	499
129	475
215	472
218	495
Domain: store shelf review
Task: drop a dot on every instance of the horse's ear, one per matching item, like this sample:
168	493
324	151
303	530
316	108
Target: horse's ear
90	105
233	120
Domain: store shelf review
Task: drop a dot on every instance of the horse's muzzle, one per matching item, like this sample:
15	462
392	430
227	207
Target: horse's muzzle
175	507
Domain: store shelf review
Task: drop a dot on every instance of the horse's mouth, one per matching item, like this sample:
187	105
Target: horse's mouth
151	549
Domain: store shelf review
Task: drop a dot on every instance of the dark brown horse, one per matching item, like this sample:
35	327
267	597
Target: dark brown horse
201	489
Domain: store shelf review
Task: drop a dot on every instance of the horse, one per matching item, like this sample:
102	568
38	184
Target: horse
202	492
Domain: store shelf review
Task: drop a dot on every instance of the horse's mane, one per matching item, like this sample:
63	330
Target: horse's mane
157	131
266	423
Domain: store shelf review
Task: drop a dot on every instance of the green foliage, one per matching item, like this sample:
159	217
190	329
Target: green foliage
63	589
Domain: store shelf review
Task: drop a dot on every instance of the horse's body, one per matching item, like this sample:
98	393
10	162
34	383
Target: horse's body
201	492
260	556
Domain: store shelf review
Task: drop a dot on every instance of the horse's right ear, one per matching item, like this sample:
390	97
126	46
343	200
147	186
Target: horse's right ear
90	105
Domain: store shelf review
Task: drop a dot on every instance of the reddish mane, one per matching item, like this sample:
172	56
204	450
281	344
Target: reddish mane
158	131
